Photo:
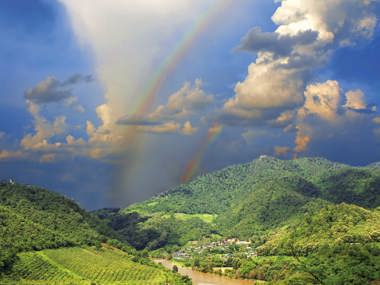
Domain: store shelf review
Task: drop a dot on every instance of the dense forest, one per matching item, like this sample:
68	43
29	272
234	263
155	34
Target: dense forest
309	220
48	238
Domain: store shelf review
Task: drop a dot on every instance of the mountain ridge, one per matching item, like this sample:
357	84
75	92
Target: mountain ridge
254	198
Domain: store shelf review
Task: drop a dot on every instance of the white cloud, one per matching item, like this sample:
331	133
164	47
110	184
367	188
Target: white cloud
321	99
51	90
324	102
307	33
188	129
284	118
43	130
266	86
281	150
10	154
122	36
355	100
187	101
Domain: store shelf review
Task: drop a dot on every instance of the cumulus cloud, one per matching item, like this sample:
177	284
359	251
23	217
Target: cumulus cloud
47	91
306	35
50	138
258	41
323	108
127	58
183	104
43	130
321	99
301	141
188	129
10	154
284	118
51	90
341	21
355	101
72	141
281	150
188	100
77	78
267	86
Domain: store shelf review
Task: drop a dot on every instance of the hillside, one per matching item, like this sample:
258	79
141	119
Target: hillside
46	238
85	266
246	201
40	219
322	217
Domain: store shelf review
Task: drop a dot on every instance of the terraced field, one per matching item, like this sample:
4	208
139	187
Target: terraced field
82	266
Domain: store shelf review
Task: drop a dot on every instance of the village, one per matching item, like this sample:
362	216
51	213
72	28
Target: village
224	248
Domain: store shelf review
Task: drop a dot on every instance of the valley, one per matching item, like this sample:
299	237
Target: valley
270	221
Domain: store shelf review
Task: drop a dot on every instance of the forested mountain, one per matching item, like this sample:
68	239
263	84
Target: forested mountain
34	220
302	207
248	200
309	221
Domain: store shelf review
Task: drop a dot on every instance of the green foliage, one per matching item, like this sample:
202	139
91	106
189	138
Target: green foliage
290	210
351	185
251	201
158	230
86	266
345	264
33	219
321	225
311	221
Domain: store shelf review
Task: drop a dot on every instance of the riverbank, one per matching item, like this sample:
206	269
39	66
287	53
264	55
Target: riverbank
200	278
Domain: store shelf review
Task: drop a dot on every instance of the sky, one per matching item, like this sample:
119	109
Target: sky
111	102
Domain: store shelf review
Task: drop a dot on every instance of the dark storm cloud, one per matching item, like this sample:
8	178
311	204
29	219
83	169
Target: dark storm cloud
52	90
78	78
256	40
137	121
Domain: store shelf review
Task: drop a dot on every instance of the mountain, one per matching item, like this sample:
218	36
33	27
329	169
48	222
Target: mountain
321	215
46	238
246	201
308	220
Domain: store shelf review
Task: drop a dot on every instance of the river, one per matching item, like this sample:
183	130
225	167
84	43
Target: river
200	278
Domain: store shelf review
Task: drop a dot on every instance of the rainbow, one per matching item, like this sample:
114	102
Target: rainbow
165	69
193	165
180	50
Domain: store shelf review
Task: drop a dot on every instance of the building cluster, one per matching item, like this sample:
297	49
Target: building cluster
225	248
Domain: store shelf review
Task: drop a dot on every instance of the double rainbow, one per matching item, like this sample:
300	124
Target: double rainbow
193	165
179	51
162	73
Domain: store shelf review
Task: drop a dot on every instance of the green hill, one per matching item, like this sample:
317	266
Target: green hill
246	201
46	238
85	266
322	216
34	219
309	220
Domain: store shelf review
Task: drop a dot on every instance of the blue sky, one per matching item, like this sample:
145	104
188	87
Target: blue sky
287	79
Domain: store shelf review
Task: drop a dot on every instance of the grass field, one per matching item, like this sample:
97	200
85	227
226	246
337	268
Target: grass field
82	266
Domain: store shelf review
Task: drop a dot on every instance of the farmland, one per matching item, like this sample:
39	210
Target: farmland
85	266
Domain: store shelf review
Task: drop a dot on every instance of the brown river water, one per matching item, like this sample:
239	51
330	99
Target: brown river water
200	278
